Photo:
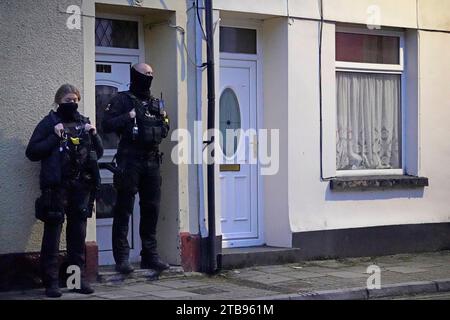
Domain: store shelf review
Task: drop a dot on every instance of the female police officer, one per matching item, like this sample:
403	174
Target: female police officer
68	147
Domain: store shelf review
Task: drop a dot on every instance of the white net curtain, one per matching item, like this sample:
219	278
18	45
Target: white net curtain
368	121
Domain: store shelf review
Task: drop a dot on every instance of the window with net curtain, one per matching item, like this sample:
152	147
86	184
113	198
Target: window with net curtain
369	115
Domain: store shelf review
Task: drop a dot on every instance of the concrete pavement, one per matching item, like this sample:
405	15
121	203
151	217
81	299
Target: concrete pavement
400	275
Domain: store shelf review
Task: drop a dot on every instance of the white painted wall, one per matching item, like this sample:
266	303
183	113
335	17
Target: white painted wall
189	221
434	124
202	217
276	116
411	103
169	71
172	5
428	14
399	13
272	7
312	206
434	14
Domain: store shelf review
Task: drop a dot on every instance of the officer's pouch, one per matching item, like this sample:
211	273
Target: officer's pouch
146	135
55	217
154	162
164	132
157	134
45	208
83	212
150	132
80	196
40	210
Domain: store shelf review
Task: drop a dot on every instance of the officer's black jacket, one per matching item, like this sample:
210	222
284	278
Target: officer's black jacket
117	119
44	146
117	115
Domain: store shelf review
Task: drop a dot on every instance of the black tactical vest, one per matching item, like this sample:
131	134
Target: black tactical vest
150	124
75	148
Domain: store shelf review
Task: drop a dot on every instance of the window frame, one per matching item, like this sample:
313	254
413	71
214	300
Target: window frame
399	69
236	23
240	28
140	51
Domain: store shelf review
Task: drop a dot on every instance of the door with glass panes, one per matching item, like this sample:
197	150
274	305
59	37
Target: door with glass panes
238	173
118	46
241	222
112	76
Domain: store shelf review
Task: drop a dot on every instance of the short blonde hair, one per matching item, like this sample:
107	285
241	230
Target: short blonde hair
64	90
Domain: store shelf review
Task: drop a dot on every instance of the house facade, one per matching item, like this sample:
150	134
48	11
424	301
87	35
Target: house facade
344	108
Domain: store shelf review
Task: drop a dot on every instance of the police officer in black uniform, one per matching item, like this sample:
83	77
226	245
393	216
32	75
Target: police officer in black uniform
68	147
138	119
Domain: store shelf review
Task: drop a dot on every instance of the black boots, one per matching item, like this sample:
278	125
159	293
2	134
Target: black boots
53	291
154	263
124	267
85	288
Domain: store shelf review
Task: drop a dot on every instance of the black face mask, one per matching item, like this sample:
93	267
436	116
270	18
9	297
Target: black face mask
68	111
140	84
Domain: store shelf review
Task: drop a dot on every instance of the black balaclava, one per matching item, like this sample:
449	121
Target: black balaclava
140	84
67	111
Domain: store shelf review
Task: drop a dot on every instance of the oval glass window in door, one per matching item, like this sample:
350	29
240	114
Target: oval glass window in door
230	121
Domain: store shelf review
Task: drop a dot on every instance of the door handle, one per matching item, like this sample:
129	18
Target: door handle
254	145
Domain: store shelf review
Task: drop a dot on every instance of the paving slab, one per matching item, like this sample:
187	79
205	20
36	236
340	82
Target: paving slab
275	269
269	279
405	269
117	294
302	275
347	275
145	288
179	284
170	294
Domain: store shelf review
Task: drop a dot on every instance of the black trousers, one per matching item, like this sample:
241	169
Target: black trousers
139	175
75	236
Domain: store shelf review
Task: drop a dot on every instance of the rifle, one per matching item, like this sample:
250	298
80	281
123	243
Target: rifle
112	166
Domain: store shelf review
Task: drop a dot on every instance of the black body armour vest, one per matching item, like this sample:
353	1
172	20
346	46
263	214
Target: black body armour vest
75	149
150	124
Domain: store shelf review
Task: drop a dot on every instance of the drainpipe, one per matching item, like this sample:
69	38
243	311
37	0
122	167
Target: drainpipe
212	255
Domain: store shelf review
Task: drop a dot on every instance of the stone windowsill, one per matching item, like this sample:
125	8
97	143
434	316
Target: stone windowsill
377	183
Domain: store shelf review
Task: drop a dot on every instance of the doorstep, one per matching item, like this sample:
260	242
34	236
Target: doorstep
236	258
107	274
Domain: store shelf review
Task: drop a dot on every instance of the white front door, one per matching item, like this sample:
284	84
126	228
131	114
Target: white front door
112	76
240	221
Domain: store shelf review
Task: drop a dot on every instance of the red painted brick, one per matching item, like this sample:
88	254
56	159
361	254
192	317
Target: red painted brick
190	252
91	260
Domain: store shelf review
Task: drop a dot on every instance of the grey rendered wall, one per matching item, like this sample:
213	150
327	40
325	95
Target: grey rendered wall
38	53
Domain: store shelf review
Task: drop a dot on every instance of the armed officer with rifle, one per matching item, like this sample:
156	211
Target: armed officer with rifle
142	124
